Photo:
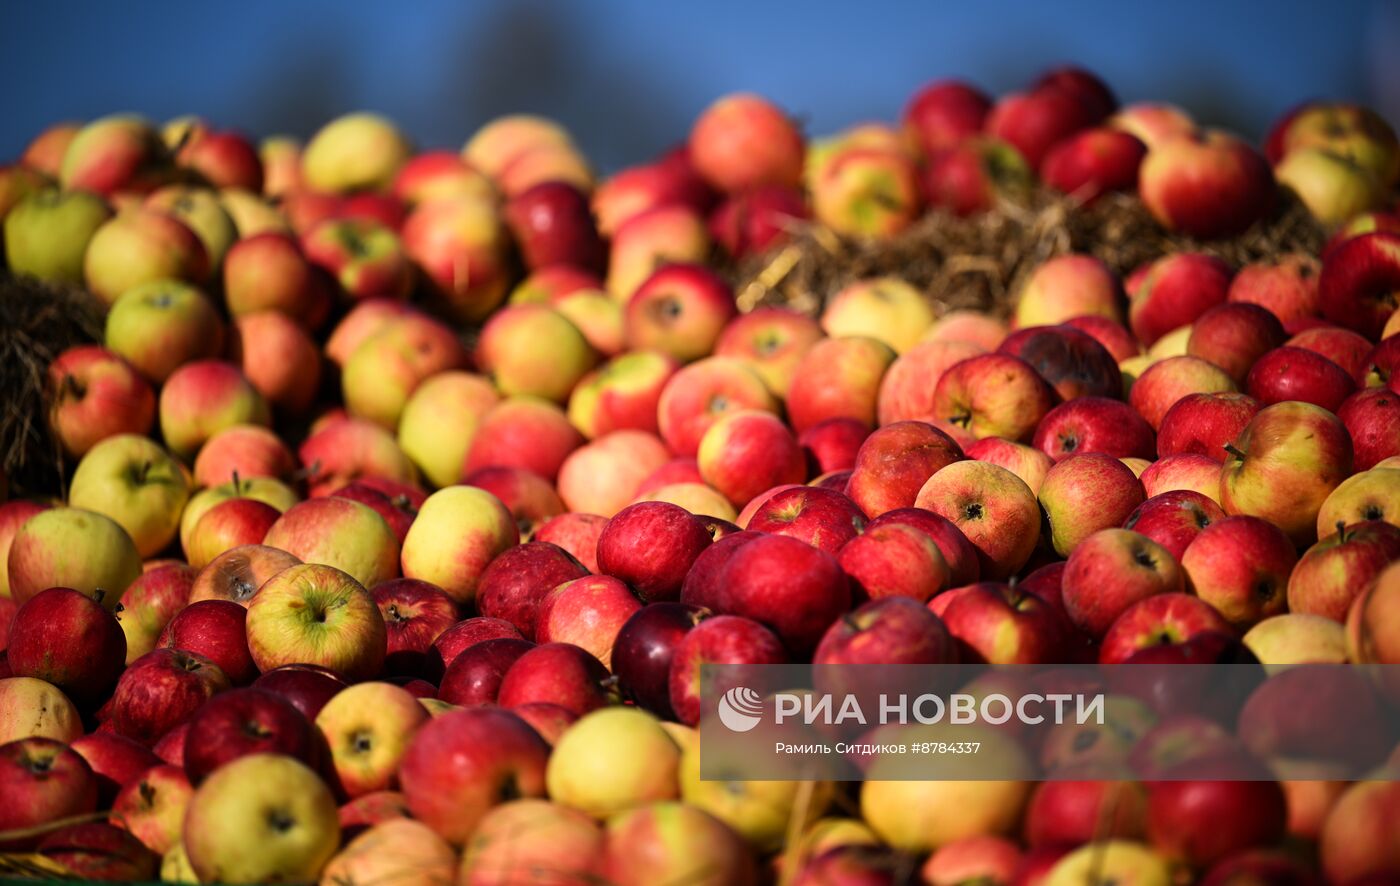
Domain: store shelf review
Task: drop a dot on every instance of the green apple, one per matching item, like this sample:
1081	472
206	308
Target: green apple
73	548
314	614
439	421
138	484
263	818
202	212
47	234
161	325
356	152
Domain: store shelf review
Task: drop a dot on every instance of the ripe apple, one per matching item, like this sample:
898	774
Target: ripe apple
415	614
121	152
680	310
215	629
1283	466
621	394
72	548
1297	638
1094	162
699	394
677	842
44	781
268	272
338	532
355	152
1355	289
1289	373
1357	843
742	141
1072	813
1085	493
838	378
1034	121
1174	519
1203	423
644	648
160	690
278	358
661	235
271	799
460	245
993	507
944	113
1094	424
473	676
1333	572
895	462
744	453
348	449
152	807
437	175
1162	619
721	639
202	212
511	341
462	764
765	579
141	246
308	687
1207	185
149	604
914	816
13	515
518	839
1174	291
458	531
587	612
651	546
31	708
1069	286
439	420
1244	587
243	450
67	639
383	371
1122	861
135	482
1372	419
772	341
755	221
524	432
96	395
517	580
316	614
204	397
368	728
47	233
865	191
1200	822
977	175
552	225
612	760
240	723
1110	571
1369	495
558	674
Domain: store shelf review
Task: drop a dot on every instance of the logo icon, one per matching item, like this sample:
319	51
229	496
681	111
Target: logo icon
740	709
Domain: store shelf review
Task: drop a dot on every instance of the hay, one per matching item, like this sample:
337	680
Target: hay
978	263
38	321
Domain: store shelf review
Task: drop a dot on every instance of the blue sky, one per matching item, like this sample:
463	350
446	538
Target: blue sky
628	75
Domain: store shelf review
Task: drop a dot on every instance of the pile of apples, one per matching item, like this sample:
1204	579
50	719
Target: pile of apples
333	594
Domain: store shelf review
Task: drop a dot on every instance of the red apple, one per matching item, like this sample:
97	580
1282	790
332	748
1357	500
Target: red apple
1347	349
466	634
415	614
894	463
1159	620
645	647
1072	813
943	114
307	687
1286	286
1110	571
1035	121
1372	419
558	673
1334	572
975	175
1094	162
993	395
67	639
517	580
1359	280
1094	424
742	141
587	612
752	222
160	690
463	763
1202	424
216	630
116	762
1174	291
651	546
999	624
552	225
723	639
243	722
895	560
1290	373
474	676
1072	361
1200	822
576	533
44	781
823	518
1240	565
1234	335
1085	493
1174	519
959	554
701	586
679	310
1207	185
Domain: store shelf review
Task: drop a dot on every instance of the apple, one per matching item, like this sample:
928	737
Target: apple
865	192
517	580
308	687
765	579
886	631
587	612
462	764
701	586
1200	822
72	548
1245	589
338	532
224	159
1175	291
133	481
152	807
721	639
458	531
96	395
215	629
1086	86
645	646
355	152
838	378
1297	638
1068	286
604	476
496	144
149	604
1034	121
680	310
1333	572
913	816
634	190
895	462
1093	162
1372	419
1347	349
755	221
116	761
438	422
517	840
460	245
1174	519
384	370
240	723
202	212
31	708
621	394
675	842
832	445
1031	465
1167	381
13	515
1357	843
1369	495
397	511
269	272
1351	131
651	546
976	175
243	450
1356	286
551	224
993	858
237	574
1333	187
1072	813
141	246
1290	373
160	690
824	518
1073	362
251	213
943	114
1197	473
1121	861
204	397
1203	423
316	614
438	175
272	799
1094	424
1208	185
1085	493
512	336
1110	571
993	507
415	614
745	453
69	640
772	341
347	449
121	152
992	395
366	259
1162	619
699	394
368	728
393	849
743	141
473	677
47	233
45	152
279	359
612	760
659	236
1283	466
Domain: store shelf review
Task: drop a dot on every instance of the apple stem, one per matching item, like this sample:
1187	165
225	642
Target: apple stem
1342	531
1230	448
